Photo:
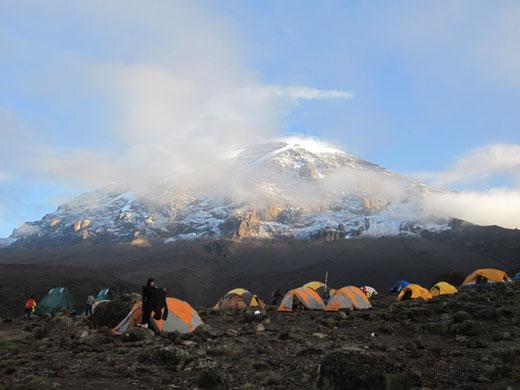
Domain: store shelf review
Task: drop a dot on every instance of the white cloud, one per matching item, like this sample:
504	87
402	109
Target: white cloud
306	93
480	164
494	206
182	94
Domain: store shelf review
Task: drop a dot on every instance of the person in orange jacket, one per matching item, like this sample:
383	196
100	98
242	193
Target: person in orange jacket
30	307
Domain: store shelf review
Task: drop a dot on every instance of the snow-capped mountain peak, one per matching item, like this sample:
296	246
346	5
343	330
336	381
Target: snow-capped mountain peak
291	187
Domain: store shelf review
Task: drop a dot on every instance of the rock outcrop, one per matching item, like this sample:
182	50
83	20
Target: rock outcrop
330	233
241	226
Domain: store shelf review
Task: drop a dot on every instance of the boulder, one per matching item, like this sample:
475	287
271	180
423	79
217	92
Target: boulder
111	313
461	316
360	370
170	357
466	328
232	332
137	334
253	314
210	379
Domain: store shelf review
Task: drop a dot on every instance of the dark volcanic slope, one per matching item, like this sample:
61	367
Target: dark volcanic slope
202	271
19	281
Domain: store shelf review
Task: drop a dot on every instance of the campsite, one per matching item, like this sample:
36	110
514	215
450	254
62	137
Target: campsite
466	339
258	195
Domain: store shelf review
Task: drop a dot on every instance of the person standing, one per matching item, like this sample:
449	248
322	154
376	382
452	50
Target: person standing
160	308
90	303
30	307
148	295
277	295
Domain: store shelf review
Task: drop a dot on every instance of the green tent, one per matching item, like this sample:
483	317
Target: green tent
105	295
57	299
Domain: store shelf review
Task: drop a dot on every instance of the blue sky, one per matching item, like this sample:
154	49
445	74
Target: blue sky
435	87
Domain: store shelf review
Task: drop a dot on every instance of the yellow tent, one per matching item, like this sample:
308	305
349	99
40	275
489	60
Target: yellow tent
320	288
414	291
239	298
443	288
486	275
238	291
314	285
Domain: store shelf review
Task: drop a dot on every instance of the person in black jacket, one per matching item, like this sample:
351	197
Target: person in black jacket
149	294
160	308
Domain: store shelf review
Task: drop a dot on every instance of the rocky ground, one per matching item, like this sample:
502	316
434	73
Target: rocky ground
467	341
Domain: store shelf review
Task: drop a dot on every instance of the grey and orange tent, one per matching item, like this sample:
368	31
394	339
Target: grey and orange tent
182	318
238	299
348	298
304	296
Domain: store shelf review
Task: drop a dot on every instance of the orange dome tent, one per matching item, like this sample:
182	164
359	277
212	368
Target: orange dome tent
349	297
414	291
486	275
306	297
182	318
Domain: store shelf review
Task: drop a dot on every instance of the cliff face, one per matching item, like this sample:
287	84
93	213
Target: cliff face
331	234
241	226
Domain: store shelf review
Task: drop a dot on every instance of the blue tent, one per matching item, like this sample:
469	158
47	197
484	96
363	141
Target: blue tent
517	276
399	286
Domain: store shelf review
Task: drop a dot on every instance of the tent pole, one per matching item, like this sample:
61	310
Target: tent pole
326	279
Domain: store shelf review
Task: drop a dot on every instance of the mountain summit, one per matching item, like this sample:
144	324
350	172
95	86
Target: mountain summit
295	187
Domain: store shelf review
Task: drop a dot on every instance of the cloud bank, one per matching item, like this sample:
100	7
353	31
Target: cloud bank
480	164
179	96
494	206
